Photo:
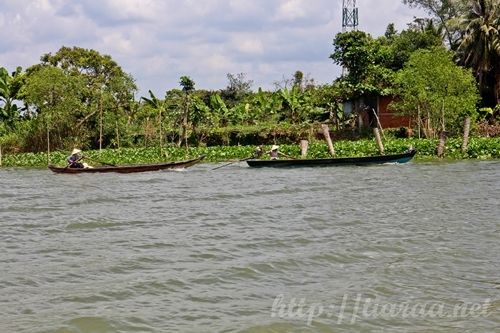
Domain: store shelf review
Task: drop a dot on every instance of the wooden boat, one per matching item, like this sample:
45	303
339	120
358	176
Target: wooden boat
130	168
368	160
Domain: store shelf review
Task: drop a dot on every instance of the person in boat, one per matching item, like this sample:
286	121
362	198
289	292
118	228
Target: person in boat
258	152
75	158
274	153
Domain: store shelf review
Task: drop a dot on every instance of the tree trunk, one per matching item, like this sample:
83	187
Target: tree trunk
442	143
146	132
48	144
418	121
378	139
429	132
465	143
100	124
161	135
442	134
185	124
184	129
80	123
117	134
360	123
326	133
0	155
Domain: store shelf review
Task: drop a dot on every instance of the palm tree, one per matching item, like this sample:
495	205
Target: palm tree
480	47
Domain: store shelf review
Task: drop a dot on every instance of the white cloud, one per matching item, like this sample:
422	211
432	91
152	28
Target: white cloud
248	43
291	10
132	8
157	41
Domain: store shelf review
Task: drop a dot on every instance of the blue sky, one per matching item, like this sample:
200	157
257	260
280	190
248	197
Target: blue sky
157	41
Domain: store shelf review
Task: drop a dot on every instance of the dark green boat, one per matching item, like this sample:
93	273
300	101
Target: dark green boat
343	161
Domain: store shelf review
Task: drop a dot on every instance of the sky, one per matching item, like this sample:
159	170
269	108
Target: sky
158	41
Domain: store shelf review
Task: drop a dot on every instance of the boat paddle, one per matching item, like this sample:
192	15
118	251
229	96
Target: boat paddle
287	156
242	160
74	162
98	161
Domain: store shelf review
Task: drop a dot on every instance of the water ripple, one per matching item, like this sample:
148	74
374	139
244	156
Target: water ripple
210	251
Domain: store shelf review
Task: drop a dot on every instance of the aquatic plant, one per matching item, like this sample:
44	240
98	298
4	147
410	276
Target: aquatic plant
479	148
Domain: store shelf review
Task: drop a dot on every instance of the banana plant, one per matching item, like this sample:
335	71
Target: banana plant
159	105
9	111
266	105
295	102
219	108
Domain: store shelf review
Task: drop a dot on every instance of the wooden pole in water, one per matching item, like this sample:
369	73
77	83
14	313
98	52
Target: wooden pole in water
378	139
326	133
379	125
465	143
304	145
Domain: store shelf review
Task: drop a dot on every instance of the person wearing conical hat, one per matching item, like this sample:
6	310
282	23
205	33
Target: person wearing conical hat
74	159
273	153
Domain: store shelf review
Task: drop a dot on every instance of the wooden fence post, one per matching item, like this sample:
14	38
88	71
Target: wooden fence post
326	133
378	139
304	145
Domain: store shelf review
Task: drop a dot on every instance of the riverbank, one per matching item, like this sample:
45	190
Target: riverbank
479	148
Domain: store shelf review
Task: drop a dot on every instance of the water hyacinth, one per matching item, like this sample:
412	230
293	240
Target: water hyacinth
479	148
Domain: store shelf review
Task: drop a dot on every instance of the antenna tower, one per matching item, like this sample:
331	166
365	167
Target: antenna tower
349	15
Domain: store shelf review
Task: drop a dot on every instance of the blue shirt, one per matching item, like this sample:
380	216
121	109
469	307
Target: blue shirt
72	159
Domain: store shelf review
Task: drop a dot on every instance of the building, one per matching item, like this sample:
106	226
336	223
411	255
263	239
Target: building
369	108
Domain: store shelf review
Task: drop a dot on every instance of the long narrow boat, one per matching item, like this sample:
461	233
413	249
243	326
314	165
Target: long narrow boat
130	168
343	161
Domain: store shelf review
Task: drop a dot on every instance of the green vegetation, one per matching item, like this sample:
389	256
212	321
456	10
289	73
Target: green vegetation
441	71
471	30
479	148
436	92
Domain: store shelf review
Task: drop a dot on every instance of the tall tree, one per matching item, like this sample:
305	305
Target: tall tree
237	89
354	51
107	88
298	80
364	61
436	92
390	31
480	47
446	14
187	85
57	100
397	48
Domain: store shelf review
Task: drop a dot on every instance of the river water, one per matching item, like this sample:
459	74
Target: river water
393	248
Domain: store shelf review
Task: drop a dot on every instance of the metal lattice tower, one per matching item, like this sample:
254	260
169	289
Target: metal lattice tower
349	15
